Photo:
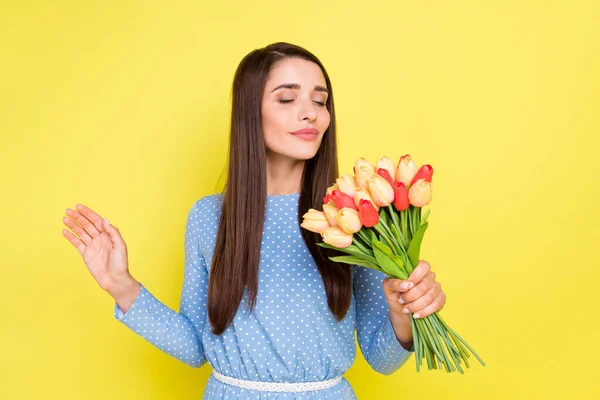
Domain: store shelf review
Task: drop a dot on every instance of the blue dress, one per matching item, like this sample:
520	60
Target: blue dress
291	335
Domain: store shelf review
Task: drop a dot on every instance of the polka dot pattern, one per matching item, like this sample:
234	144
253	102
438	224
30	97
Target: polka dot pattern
291	335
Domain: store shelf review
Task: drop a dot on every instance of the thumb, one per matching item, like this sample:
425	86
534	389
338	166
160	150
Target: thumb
113	233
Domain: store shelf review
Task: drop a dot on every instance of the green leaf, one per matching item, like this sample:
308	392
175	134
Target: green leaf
366	250
383	215
355	260
352	250
414	248
425	215
387	264
365	236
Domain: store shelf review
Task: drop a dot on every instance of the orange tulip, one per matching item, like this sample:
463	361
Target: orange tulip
381	191
314	221
406	170
349	220
363	194
331	213
335	236
419	193
347	184
363	170
387	164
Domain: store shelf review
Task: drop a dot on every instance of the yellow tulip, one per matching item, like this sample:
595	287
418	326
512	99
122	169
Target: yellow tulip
363	173
362	193
335	236
315	221
331	213
346	184
387	164
406	170
349	220
381	191
419	193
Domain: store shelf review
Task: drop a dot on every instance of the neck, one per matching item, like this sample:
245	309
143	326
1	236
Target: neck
284	175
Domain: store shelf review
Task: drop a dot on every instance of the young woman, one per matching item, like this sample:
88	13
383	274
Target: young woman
261	302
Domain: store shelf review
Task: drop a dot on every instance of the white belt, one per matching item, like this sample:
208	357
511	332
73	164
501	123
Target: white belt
276	386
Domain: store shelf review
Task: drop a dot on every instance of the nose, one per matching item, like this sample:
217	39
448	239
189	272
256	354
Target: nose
308	111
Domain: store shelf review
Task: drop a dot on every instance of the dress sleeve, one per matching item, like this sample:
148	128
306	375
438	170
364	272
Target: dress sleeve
376	338
178	334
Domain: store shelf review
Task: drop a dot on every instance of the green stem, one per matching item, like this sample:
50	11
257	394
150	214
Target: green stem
455	354
430	341
416	343
396	222
444	359
462	340
383	233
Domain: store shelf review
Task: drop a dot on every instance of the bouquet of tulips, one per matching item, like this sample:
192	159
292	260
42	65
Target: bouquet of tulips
374	218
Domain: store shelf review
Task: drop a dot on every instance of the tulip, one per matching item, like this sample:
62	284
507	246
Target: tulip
401	201
387	164
419	193
425	172
341	200
315	221
406	170
363	194
368	214
349	220
385	174
331	188
331	213
381	191
347	184
335	236
362	176
361	162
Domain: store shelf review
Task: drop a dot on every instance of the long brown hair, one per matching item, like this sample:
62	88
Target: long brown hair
237	250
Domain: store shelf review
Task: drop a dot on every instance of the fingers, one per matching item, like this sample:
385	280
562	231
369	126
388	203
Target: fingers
114	234
433	307
85	223
91	216
74	241
85	238
424	286
420	271
423	301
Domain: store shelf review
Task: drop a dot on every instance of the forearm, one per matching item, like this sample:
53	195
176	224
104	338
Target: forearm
402	328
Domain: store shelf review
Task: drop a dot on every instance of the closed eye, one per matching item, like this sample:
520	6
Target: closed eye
321	104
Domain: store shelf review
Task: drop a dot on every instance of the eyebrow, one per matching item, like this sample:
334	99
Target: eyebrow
297	86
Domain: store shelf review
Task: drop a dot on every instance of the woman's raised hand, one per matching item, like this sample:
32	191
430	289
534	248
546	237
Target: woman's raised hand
104	252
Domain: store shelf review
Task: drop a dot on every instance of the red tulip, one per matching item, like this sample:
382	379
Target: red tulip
425	172
341	200
385	174
401	201
368	214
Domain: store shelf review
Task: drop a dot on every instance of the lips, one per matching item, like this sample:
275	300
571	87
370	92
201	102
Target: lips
306	131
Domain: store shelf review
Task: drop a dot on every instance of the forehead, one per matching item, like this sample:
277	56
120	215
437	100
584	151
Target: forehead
296	70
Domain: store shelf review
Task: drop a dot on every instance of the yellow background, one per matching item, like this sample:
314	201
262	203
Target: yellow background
124	107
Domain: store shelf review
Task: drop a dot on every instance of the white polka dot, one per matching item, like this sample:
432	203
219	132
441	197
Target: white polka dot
291	335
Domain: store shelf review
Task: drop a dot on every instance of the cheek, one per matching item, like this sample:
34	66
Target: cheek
274	122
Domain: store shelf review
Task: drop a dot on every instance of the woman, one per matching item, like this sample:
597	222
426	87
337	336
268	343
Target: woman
277	318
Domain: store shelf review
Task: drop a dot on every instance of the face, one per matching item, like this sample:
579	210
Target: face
294	98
